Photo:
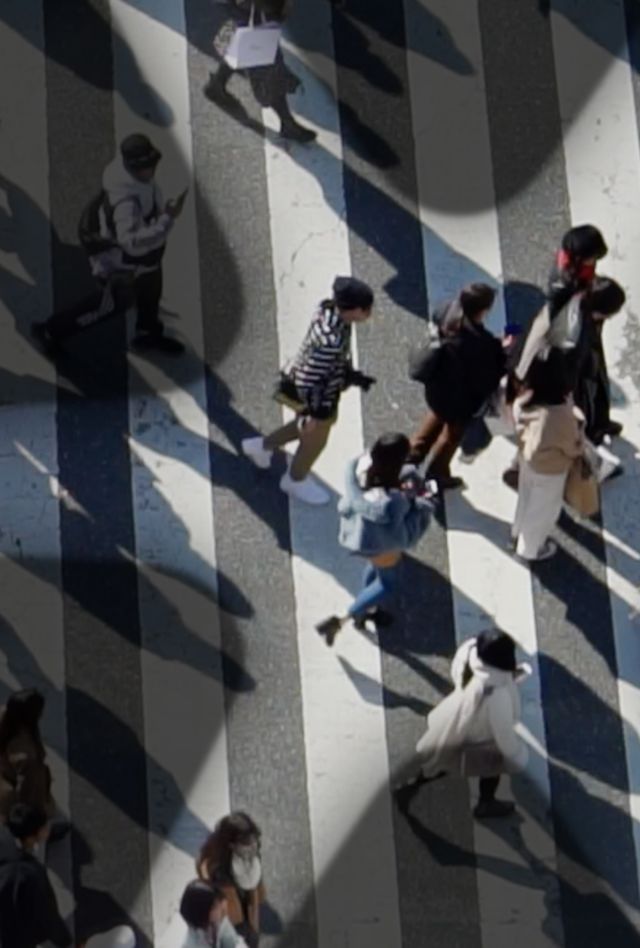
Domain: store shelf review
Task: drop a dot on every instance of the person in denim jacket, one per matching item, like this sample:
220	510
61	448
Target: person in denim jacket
382	513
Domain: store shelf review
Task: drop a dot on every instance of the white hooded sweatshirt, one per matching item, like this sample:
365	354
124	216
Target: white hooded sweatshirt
487	709
140	223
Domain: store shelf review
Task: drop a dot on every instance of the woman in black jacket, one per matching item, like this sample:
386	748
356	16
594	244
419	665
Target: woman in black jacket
459	374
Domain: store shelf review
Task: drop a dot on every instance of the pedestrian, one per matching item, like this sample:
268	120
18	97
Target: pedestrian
133	223
574	267
230	859
24	774
381	515
576	330
472	732
29	914
204	909
460	370
313	384
550	437
270	84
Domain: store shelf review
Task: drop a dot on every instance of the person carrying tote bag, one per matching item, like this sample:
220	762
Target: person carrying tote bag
550	439
271	80
471	732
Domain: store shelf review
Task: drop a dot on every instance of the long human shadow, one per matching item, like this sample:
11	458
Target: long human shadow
88	361
112	773
77	59
579	909
354	51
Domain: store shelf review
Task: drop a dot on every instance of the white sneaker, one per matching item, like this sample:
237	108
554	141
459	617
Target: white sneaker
254	449
308	491
609	465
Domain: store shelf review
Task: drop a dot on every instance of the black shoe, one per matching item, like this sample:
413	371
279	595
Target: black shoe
145	341
297	133
613	428
329	629
58	830
493	809
41	332
511	477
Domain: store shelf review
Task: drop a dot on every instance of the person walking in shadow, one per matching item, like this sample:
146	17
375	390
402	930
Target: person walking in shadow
270	84
24	774
29	914
124	230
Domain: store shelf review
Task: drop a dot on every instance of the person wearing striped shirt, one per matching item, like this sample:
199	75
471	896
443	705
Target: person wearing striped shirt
315	381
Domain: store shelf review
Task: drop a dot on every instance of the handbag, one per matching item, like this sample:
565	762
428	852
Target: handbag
253	45
286	393
581	488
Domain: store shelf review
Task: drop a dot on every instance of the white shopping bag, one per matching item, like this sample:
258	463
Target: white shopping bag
253	45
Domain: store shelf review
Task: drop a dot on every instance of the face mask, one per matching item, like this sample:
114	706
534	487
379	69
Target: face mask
247	870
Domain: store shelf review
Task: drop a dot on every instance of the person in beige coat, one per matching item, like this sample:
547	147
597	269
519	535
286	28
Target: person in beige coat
550	437
472	732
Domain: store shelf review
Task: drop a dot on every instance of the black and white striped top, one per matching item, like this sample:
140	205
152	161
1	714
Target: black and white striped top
321	367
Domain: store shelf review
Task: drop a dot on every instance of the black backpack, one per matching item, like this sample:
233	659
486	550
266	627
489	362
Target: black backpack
89	234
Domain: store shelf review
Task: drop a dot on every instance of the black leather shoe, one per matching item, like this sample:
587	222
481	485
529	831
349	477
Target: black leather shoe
145	341
329	629
613	428
297	133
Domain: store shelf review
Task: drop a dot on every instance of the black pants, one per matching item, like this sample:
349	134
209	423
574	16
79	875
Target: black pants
488	787
113	298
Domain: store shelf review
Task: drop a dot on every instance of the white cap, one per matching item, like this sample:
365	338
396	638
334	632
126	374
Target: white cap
120	937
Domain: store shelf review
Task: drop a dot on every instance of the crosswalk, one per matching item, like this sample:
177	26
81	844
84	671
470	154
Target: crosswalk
162	592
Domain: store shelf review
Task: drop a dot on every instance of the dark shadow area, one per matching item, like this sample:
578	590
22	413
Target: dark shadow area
97	911
88	64
371	692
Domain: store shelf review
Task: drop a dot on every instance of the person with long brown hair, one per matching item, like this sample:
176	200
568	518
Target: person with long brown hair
230	859
24	774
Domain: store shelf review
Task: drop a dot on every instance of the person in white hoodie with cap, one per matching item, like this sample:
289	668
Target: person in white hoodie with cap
128	224
472	732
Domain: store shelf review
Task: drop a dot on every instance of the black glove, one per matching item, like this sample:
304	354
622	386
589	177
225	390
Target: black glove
355	377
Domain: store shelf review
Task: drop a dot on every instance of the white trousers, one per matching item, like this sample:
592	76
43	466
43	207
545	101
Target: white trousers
538	509
120	937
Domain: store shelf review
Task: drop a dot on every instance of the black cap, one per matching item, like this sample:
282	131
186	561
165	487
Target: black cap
497	649
585	241
138	152
351	293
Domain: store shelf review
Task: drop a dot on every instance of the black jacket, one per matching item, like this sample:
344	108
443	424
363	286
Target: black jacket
29	914
460	372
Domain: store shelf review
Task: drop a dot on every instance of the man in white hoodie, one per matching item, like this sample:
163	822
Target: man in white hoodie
134	223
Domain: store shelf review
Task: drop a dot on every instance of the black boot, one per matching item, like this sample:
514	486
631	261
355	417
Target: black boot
294	132
147	341
216	91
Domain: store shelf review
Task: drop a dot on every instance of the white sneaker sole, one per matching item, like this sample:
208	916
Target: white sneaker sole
318	500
